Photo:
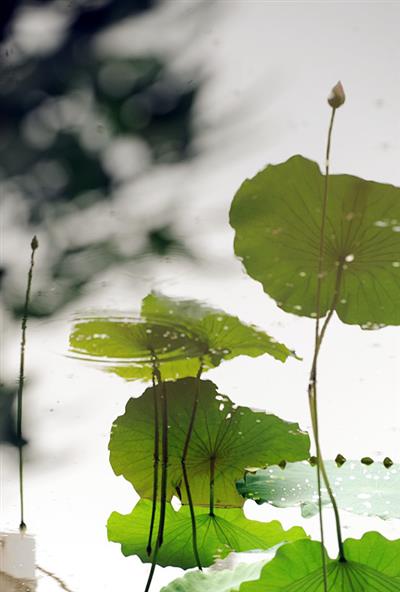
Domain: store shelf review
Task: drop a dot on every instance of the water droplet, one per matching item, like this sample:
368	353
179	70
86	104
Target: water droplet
302	274
349	258
381	223
396	263
396	228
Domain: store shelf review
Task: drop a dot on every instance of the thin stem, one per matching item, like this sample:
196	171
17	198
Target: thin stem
212	483
319	336
323	221
164	475
164	471
314	420
314	414
34	246
184	468
155	463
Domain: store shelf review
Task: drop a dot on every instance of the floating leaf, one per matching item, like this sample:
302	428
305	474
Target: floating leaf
372	566
174	333
223	335
130	346
277	217
230	436
370	490
228	530
221	580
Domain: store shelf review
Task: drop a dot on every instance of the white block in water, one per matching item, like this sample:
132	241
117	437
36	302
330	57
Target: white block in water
17	555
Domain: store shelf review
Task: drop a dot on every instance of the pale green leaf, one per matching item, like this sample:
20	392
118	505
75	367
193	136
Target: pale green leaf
220	580
367	490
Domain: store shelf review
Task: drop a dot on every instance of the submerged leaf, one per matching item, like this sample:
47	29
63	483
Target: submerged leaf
370	490
233	437
277	218
229	530
372	565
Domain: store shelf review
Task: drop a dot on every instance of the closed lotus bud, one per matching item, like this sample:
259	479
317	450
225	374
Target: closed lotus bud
337	96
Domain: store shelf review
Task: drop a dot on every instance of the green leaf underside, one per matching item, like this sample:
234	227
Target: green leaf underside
229	530
368	490
277	216
175	333
372	566
224	580
235	436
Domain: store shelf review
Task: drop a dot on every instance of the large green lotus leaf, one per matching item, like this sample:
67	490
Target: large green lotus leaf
128	346
368	490
223	336
372	566
235	437
277	217
229	530
221	580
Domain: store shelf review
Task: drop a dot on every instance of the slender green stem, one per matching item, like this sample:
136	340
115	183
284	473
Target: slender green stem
212	483
314	413
322	229
34	246
312	382
184	468
312	388
164	472
164	477
155	462
314	420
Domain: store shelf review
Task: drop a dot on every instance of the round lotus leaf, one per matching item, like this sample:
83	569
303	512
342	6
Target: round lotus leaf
276	216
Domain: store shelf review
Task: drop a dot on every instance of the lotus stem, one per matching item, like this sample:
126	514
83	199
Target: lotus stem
184	468
21	380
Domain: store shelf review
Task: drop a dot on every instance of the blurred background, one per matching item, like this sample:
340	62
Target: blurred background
126	126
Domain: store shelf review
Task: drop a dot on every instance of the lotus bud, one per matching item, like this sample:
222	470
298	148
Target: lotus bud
337	96
34	243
